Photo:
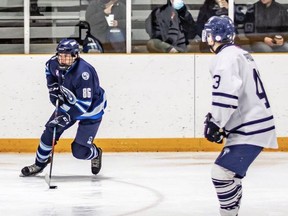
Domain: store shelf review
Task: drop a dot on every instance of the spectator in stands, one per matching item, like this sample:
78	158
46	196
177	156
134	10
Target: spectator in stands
34	9
107	19
208	9
170	27
266	26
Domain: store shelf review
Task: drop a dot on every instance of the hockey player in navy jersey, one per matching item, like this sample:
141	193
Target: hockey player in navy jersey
240	114
74	85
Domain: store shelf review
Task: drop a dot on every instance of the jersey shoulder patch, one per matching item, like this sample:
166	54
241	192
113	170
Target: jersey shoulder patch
85	75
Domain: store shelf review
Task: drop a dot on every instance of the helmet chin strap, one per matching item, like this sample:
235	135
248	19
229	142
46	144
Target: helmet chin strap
216	48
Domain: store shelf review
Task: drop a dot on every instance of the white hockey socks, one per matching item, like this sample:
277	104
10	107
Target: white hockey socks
228	189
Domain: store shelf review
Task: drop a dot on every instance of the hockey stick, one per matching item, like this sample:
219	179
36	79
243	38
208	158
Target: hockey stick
48	177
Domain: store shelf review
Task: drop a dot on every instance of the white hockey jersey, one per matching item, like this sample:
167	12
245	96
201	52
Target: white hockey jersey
239	101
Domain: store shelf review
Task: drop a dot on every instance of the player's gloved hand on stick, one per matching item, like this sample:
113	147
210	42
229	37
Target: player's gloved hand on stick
60	121
55	93
212	131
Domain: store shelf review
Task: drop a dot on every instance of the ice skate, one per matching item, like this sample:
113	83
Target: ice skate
33	169
96	163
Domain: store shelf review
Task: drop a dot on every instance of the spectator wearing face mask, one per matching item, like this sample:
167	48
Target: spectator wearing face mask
170	27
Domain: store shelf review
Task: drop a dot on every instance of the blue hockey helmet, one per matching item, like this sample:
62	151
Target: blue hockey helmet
69	46
221	28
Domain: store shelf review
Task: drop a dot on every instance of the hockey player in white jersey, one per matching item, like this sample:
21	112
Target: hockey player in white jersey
240	115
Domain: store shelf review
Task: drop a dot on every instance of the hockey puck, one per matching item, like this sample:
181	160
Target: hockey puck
53	187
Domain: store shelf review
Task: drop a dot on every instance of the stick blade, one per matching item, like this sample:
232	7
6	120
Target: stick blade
48	181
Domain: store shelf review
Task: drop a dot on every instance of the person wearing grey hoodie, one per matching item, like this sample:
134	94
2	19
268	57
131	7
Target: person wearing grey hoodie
107	19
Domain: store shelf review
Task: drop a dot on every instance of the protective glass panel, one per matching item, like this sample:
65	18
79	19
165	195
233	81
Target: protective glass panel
11	26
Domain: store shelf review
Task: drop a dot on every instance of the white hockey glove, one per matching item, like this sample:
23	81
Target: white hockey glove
212	132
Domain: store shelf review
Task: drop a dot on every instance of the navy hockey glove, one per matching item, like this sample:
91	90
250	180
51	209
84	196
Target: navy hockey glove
55	93
60	121
212	131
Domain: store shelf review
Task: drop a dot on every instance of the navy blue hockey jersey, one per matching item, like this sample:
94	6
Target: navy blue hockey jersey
84	97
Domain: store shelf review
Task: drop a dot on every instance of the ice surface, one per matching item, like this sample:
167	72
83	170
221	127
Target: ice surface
138	184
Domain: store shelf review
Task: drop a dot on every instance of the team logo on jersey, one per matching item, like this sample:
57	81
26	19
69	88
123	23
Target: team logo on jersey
85	75
70	97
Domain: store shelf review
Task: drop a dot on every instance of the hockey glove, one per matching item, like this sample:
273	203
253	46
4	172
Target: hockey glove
212	131
55	93
60	122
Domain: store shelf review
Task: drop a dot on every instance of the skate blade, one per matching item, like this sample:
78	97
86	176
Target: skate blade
33	175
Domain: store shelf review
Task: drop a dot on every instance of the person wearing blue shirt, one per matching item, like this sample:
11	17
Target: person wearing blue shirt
74	89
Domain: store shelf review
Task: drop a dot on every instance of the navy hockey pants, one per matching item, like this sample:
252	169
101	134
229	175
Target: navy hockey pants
238	158
82	146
